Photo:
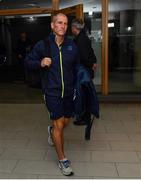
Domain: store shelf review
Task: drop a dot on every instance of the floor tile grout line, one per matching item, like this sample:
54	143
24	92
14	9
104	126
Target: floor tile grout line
17	162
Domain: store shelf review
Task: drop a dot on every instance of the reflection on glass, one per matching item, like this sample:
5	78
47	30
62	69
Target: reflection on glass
124	46
93	20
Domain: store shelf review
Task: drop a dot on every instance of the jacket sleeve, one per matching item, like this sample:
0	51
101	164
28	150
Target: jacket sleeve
77	55
87	55
33	59
76	63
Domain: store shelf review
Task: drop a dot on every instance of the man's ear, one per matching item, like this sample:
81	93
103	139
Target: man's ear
52	25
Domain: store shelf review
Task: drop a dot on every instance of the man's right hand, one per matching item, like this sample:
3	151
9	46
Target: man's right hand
46	62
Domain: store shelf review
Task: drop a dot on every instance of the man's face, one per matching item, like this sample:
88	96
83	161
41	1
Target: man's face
59	25
74	30
23	36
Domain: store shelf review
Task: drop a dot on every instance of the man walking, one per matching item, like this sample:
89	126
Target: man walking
87	59
57	74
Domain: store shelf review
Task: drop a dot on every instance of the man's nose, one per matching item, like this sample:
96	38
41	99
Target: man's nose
63	25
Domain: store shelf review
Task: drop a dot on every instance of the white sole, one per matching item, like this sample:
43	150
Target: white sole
65	173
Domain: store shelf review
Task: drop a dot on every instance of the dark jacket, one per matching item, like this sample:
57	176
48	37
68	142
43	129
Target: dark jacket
84	82
58	79
86	52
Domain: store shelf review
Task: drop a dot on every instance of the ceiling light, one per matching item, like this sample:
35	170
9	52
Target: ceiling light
90	13
129	28
111	24
31	19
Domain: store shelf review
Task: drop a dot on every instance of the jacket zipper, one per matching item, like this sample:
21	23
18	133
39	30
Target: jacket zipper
62	74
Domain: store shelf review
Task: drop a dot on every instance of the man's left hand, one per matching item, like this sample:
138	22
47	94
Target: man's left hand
94	66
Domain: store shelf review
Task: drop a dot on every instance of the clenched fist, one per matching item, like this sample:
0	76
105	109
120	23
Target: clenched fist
46	62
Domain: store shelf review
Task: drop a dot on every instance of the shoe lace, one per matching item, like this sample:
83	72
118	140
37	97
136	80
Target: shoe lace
66	163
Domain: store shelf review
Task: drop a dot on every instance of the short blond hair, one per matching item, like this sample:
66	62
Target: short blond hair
54	16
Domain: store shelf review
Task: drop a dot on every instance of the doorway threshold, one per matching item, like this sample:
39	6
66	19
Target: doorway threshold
120	98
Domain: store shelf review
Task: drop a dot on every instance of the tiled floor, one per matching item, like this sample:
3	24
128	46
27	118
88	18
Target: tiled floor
114	150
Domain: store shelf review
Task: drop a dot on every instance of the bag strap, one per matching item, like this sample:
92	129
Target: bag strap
47	47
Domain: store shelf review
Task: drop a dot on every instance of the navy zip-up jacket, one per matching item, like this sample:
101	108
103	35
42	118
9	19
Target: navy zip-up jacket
83	80
58	79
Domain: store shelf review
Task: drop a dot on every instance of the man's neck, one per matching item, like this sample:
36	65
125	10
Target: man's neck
59	40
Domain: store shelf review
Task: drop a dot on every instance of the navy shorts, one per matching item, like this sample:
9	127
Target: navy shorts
59	107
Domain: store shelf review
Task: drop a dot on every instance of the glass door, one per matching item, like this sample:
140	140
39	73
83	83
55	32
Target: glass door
124	46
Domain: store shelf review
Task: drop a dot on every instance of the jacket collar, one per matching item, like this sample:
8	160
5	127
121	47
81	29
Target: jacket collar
52	37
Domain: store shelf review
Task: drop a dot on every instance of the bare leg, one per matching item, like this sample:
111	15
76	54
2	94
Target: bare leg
58	136
67	120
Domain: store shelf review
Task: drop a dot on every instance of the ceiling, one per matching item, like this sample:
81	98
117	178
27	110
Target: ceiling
89	5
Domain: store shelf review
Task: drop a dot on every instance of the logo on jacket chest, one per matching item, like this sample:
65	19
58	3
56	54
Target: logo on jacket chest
69	48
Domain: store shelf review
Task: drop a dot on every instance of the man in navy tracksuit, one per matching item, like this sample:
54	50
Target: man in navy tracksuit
57	75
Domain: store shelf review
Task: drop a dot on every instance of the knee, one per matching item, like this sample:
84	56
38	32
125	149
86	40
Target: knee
58	127
57	131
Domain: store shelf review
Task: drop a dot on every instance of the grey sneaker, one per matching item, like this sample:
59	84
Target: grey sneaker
65	167
50	140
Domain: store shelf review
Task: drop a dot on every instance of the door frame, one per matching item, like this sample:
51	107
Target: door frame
105	44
